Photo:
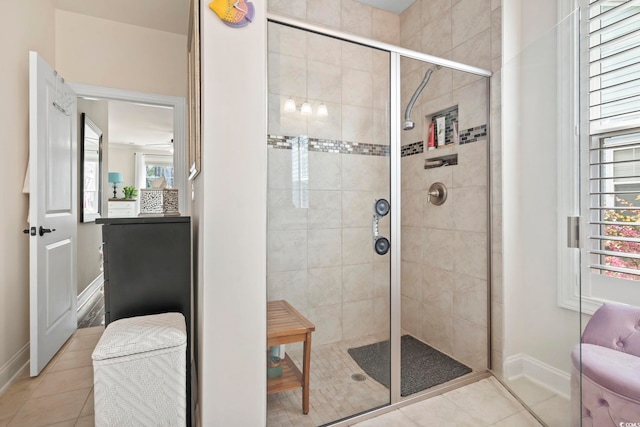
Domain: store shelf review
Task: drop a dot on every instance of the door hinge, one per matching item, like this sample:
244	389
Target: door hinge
573	231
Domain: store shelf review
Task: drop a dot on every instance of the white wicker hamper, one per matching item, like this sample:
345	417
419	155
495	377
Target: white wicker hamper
139	369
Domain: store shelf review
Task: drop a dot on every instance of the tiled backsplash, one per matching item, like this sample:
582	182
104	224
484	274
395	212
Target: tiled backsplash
344	147
411	149
331	146
474	134
467	136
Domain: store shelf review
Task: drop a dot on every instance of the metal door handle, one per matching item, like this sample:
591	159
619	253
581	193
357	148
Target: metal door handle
45	230
380	244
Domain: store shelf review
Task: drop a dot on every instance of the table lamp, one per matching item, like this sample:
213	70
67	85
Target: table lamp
115	178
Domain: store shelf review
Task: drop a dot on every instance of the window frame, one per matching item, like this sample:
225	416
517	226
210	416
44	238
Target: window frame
600	288
577	289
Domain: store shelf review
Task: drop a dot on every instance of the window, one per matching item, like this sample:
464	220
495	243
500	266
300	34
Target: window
614	218
155	171
150	167
611	204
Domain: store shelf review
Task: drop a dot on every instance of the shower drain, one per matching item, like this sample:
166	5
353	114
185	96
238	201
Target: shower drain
358	377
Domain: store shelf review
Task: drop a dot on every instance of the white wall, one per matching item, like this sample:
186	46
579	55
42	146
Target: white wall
83	50
534	325
122	159
107	53
27	25
231	231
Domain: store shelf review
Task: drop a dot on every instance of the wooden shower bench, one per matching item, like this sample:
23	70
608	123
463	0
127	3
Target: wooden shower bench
286	325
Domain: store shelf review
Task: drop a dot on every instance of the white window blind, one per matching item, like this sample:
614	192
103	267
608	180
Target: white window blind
614	64
614	152
615	205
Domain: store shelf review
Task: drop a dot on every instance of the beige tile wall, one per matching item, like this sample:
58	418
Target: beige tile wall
346	15
438	301
444	261
351	80
444	247
321	258
496	188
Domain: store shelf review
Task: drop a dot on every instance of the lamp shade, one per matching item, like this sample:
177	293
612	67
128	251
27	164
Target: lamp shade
290	105
115	177
322	110
305	109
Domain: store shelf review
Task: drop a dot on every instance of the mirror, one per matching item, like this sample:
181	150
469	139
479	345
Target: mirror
90	170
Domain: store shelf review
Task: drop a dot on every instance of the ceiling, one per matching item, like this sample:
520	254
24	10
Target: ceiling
139	124
164	15
395	6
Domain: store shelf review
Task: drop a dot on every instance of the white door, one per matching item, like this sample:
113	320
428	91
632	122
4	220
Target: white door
52	211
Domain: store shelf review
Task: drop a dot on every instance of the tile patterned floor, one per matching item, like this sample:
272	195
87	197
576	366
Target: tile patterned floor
481	404
62	395
333	394
553	409
94	313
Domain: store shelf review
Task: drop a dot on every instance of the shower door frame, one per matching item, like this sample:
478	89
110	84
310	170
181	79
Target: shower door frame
396	53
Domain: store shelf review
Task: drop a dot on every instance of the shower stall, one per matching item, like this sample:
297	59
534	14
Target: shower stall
378	236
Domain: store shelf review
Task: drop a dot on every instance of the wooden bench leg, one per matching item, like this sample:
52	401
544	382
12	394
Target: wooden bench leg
306	366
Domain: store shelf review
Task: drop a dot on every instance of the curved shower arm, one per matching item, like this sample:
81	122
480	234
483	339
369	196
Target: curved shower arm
407	112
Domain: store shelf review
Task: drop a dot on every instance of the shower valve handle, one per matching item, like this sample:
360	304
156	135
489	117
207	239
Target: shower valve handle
437	193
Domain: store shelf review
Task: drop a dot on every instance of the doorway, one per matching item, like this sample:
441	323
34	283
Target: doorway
102	44
144	133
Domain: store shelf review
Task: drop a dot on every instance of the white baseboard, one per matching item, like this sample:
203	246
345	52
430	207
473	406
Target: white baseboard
10	370
553	379
89	291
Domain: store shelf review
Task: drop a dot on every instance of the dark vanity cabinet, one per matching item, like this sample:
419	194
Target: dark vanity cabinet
147	270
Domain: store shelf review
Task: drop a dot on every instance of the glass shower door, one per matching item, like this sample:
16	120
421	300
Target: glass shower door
445	226
536	353
328	165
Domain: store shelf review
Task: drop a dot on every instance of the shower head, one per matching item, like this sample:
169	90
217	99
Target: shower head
408	123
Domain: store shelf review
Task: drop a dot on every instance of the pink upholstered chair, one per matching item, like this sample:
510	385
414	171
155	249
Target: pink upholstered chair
610	366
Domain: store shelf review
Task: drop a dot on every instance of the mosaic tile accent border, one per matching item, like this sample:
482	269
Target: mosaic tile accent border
331	146
473	134
466	137
343	147
411	149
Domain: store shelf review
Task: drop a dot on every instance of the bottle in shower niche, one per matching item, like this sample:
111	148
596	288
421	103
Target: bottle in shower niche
456	133
431	145
440	129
